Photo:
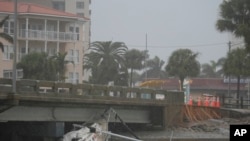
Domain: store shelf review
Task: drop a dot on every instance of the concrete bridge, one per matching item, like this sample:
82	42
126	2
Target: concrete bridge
46	101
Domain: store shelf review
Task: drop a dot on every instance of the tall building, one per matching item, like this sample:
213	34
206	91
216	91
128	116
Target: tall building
78	7
43	29
81	8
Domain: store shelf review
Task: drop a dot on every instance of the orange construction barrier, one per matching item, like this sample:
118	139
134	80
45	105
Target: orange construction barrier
213	103
206	102
199	101
218	102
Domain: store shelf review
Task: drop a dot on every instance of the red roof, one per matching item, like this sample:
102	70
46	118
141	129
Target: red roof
30	8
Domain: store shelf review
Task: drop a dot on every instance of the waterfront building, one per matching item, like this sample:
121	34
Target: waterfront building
43	29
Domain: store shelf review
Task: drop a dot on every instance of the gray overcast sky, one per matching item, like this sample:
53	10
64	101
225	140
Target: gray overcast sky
169	25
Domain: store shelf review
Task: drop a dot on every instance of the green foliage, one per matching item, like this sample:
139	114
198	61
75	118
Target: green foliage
40	66
4	35
182	63
106	62
60	65
213	69
237	64
154	69
134	61
235	18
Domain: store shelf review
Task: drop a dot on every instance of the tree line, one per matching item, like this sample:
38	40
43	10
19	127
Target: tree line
109	61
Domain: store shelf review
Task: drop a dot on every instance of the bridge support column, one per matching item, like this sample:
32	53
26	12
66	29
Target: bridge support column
172	115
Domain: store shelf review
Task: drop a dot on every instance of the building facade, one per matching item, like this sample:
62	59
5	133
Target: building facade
78	7
43	29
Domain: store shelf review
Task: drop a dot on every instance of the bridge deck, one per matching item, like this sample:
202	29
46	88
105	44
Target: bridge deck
47	91
56	101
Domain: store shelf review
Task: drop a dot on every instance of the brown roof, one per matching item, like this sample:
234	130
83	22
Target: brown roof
30	8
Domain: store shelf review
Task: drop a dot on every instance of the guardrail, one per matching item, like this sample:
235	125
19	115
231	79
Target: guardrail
38	88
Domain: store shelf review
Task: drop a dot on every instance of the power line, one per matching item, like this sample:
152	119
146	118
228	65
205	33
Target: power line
175	46
239	43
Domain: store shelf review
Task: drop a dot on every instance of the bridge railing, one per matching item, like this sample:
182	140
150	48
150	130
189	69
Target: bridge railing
85	90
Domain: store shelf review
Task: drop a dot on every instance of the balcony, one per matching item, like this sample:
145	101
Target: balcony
48	35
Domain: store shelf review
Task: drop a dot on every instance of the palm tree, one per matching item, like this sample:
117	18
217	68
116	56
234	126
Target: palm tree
182	63
220	64
3	35
208	70
213	69
106	60
60	65
237	64
134	61
155	68
235	18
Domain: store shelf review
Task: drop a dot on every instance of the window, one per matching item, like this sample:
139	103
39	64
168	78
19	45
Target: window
71	29
22	52
75	30
8	73
8	52
77	33
59	5
79	5
8	27
73	77
73	55
70	55
11	28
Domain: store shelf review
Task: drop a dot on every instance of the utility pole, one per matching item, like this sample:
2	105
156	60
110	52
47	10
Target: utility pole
15	49
146	74
229	76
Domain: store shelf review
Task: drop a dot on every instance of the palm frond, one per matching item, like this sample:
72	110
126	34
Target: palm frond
4	20
6	37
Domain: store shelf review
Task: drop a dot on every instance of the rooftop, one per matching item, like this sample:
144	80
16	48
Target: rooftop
34	9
